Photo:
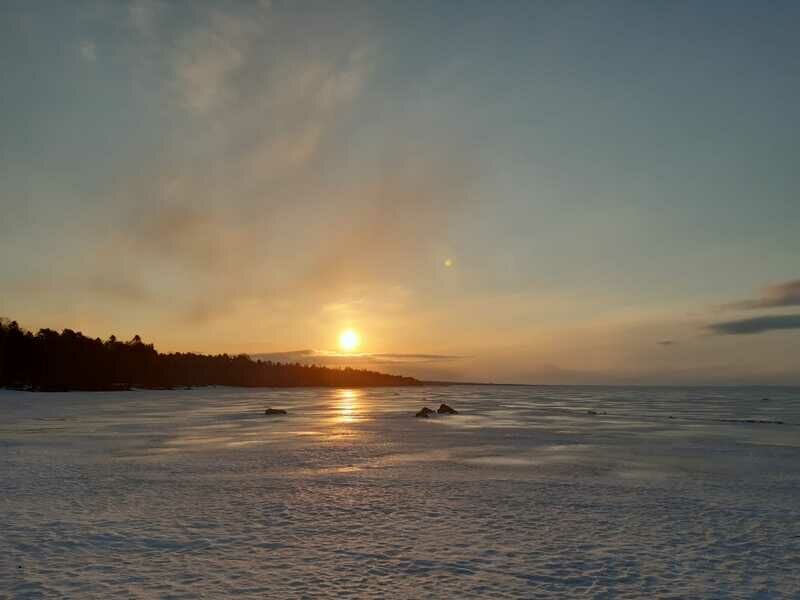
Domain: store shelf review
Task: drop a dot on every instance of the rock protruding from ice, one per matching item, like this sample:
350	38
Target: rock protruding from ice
271	412
424	413
444	409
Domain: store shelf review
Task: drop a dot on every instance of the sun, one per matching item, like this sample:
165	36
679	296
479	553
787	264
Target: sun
349	340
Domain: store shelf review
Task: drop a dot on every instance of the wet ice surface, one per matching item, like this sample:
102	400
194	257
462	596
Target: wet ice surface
196	493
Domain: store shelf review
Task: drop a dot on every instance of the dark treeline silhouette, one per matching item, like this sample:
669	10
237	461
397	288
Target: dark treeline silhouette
52	361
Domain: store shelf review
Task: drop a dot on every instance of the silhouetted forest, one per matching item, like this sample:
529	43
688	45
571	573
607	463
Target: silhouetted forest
53	361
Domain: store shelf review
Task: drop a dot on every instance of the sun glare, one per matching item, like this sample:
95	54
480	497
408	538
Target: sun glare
349	340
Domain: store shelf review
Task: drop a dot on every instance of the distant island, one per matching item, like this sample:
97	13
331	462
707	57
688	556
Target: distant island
53	361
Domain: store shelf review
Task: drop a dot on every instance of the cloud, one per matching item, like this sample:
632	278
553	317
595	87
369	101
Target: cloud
276	180
88	50
330	358
756	325
431	367
416	357
210	58
776	295
117	287
267	189
143	15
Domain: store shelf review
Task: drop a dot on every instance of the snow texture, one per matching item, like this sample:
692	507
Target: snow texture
663	493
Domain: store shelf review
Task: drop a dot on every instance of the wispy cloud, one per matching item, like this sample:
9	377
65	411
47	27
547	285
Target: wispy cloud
332	358
756	325
143	15
782	294
417	357
437	367
118	287
209	58
240	182
261	192
88	51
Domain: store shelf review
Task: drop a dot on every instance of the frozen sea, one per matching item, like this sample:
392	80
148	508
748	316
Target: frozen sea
664	493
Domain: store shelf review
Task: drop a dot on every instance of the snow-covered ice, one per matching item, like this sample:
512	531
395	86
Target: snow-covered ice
195	493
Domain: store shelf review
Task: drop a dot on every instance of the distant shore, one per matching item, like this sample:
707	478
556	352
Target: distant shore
148	388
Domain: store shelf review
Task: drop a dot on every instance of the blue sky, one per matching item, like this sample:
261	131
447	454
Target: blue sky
256	176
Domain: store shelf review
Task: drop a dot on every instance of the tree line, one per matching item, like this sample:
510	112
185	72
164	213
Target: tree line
53	361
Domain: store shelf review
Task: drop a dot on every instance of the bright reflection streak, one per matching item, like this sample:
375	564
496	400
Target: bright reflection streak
347	405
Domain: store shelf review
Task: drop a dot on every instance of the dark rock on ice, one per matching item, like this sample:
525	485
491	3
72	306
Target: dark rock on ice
444	409
274	411
424	413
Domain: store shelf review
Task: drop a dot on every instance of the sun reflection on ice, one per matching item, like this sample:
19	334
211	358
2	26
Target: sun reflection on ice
347	406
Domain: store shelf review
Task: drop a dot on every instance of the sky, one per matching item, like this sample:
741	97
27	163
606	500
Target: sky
531	192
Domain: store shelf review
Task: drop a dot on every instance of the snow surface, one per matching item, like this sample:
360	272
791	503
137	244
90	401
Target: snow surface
195	493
